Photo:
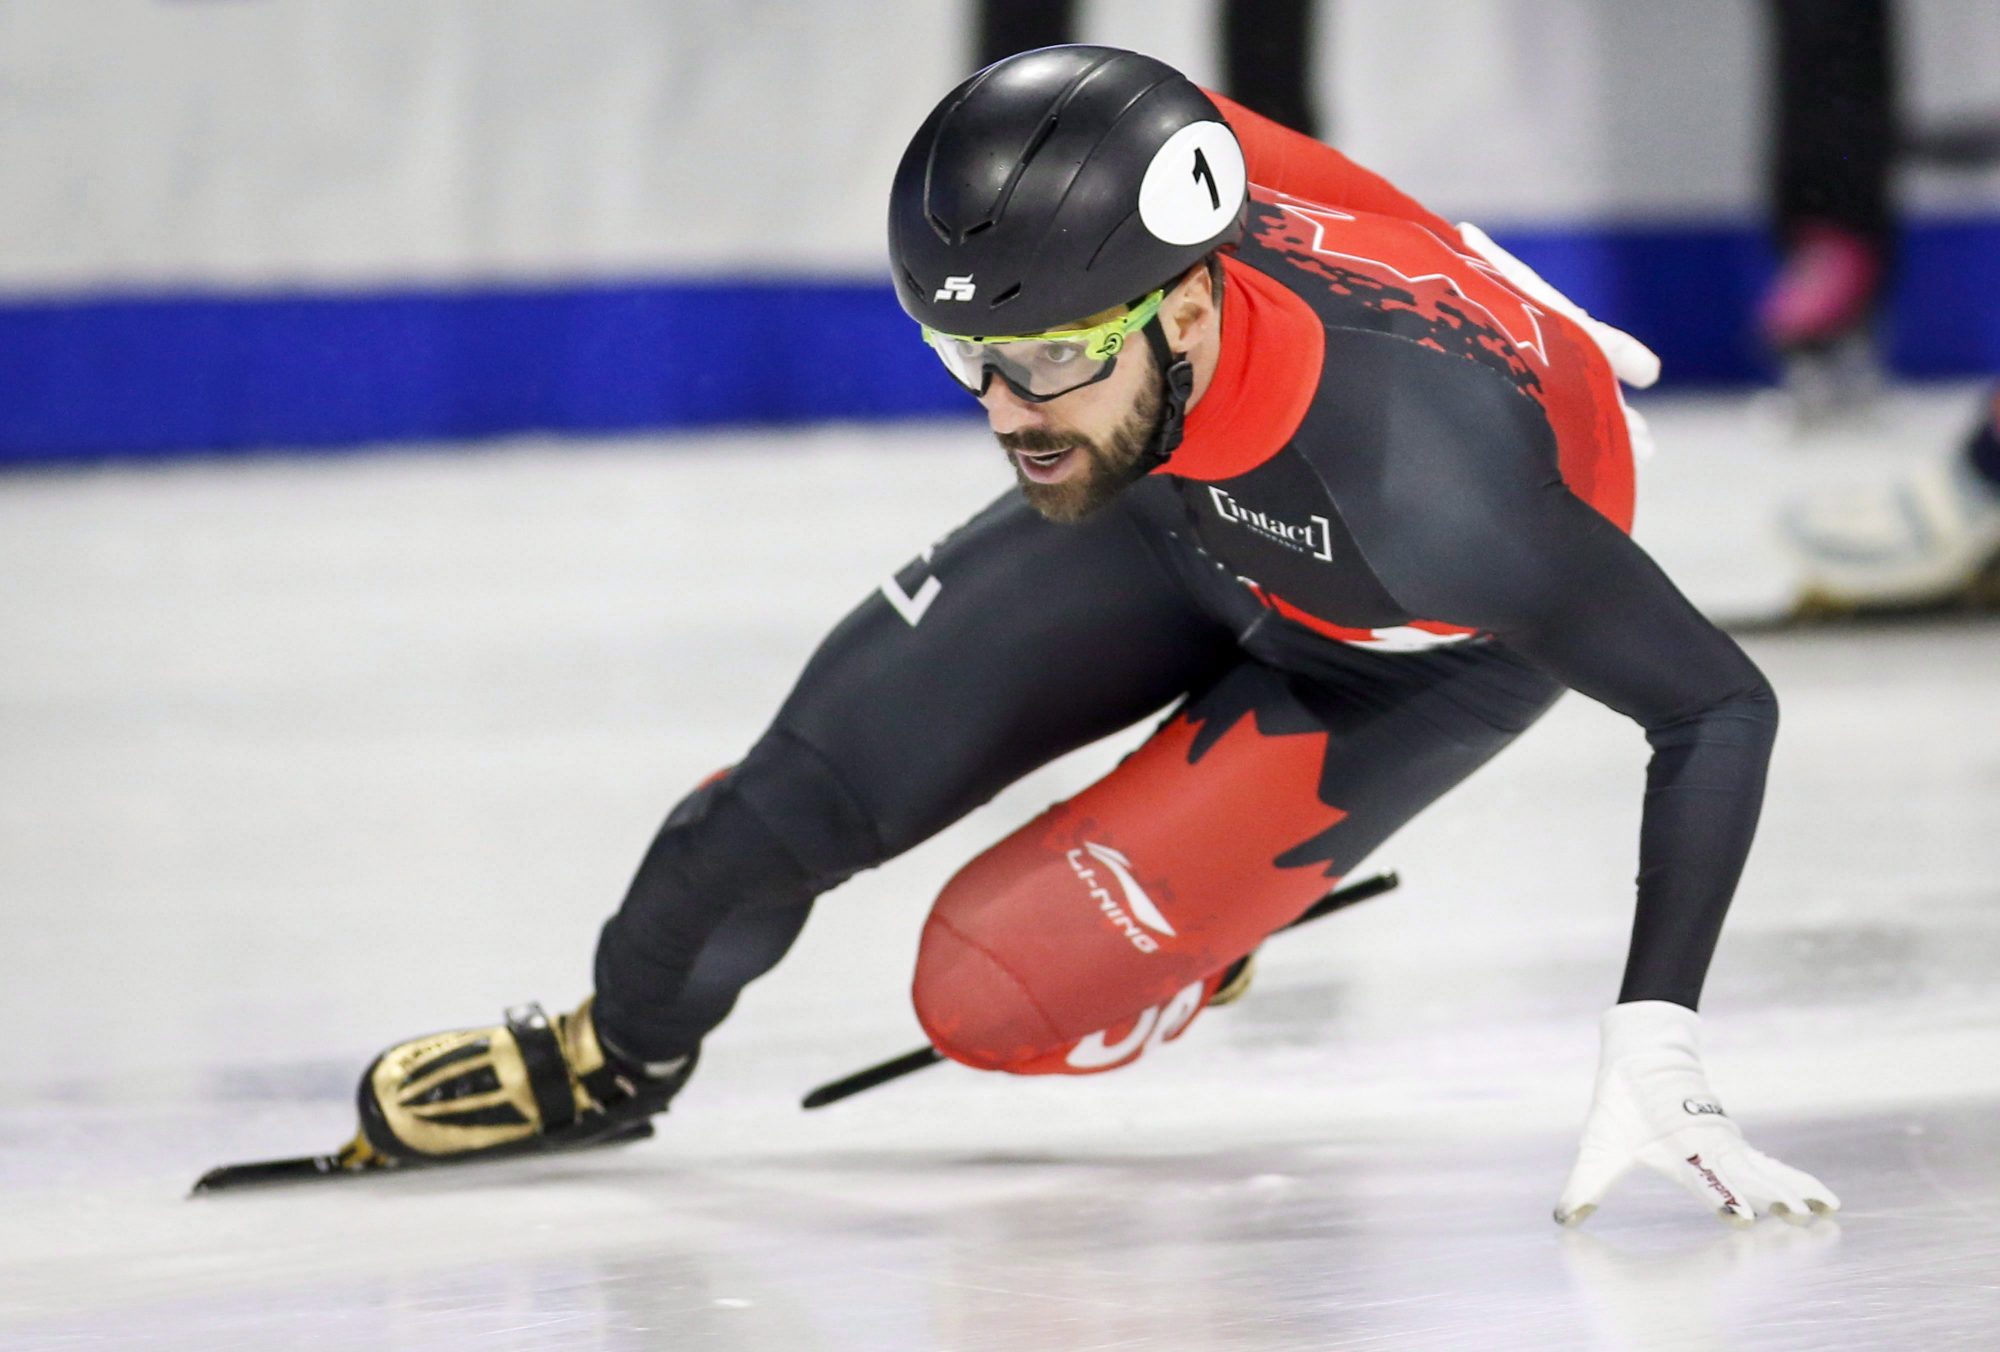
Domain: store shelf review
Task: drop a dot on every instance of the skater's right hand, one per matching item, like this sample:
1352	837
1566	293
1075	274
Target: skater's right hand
1653	1107
1631	360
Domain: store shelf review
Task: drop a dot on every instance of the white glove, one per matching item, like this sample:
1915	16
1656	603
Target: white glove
1653	1106
1631	360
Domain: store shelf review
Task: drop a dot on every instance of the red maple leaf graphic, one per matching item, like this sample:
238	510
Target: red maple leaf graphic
1440	280
1162	873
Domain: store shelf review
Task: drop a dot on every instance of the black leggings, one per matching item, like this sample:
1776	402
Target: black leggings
1014	642
1267	49
1836	132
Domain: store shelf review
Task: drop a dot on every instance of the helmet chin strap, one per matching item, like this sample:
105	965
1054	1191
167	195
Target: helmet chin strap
1178	377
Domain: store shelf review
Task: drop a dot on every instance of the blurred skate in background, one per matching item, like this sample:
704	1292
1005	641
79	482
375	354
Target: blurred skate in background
1925	540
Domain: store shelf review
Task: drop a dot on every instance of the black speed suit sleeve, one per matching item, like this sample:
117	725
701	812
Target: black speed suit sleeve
1447	479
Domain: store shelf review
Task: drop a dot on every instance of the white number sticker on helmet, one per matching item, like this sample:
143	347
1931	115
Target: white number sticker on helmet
1194	186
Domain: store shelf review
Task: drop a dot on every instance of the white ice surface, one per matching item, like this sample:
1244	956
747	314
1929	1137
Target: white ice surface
301	757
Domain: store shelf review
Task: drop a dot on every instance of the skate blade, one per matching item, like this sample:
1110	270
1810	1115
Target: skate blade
358	1159
355	1158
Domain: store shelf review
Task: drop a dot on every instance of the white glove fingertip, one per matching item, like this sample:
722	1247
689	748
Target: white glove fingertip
1631	360
1818	1195
1726	1183
1578	1202
1809	1192
1776	1196
1596	1170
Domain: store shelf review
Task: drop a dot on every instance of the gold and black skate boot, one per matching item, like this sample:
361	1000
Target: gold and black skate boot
530	1084
1235	983
523	1087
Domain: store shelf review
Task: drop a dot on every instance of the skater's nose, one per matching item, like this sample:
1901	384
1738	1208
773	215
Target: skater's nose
1007	411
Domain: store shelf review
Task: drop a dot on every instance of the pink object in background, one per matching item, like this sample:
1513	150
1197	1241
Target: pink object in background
1825	290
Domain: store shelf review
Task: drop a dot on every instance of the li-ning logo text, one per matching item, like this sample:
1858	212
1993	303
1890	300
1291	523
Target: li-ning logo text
955	288
1314	538
1136	913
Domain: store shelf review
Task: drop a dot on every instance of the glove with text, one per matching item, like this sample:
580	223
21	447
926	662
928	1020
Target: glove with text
1653	1106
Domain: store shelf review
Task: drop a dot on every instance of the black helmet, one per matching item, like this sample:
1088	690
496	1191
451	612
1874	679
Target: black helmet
1057	184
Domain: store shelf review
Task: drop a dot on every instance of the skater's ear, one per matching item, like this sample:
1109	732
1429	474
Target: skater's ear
1193	305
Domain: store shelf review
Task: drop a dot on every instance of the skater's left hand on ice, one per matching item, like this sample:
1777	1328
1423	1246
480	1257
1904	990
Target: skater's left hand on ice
1653	1106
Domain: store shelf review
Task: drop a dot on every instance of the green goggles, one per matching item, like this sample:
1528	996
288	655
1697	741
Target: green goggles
1042	366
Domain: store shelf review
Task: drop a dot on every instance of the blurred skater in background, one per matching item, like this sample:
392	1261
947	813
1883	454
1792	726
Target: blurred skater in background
1834	121
1928	538
1266	49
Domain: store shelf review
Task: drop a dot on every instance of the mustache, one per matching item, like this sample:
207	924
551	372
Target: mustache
1035	440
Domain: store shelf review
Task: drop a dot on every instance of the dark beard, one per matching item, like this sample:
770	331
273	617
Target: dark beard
1109	466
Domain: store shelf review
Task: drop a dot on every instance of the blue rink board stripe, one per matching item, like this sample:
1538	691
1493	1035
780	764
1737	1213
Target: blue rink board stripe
168	375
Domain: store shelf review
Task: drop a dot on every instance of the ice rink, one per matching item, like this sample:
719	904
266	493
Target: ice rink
304	756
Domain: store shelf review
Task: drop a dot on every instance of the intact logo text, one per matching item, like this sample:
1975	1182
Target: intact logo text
1315	537
956	288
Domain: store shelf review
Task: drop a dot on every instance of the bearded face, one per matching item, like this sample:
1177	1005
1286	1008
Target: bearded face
1066	472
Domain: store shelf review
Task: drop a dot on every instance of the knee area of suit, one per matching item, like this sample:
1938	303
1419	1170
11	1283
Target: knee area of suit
778	828
799	801
976	1005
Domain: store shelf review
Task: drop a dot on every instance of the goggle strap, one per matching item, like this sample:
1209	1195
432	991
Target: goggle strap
1132	321
1179	379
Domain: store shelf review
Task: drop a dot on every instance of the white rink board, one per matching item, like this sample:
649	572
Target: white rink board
305	756
259	145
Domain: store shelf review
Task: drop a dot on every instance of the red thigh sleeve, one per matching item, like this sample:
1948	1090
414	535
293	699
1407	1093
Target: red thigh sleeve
1104	925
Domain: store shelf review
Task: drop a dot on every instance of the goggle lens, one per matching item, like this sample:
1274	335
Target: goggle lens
1041	367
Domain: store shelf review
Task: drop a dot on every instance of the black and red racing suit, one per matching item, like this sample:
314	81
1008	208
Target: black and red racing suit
1399	515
